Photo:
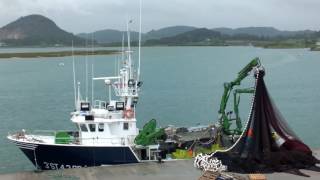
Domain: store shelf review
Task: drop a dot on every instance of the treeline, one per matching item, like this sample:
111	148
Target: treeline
205	36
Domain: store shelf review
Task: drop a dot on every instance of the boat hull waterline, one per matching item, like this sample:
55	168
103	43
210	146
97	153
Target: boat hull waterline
54	157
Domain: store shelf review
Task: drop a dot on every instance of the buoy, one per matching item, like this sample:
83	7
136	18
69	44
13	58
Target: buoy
128	113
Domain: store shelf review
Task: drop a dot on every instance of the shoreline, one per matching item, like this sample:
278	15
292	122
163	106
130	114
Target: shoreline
56	54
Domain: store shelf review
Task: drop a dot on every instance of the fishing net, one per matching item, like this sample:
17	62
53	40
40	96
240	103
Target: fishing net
267	144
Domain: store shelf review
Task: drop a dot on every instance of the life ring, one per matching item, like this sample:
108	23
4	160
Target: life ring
128	113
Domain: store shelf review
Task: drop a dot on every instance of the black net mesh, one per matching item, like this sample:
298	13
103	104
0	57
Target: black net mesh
267	144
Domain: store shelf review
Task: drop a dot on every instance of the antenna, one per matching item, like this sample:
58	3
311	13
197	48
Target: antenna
118	66
140	27
74	77
122	49
122	54
128	34
92	70
92	50
115	65
129	49
87	85
92	84
79	96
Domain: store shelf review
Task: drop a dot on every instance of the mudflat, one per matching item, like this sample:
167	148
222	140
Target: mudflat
55	54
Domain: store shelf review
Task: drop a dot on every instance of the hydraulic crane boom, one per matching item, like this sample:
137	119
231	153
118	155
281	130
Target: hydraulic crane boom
228	87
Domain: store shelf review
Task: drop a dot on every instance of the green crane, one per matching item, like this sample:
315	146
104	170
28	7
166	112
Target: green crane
150	134
225	117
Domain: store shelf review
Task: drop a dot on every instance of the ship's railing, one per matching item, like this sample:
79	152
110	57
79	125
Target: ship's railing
124	90
69	137
109	115
128	140
37	132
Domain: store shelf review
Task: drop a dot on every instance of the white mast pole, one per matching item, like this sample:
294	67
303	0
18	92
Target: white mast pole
92	84
109	92
129	49
79	98
140	29
92	50
122	49
122	58
128	35
74	77
87	84
115	65
92	71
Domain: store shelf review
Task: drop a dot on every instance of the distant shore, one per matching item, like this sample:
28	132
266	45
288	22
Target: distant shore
110	52
56	54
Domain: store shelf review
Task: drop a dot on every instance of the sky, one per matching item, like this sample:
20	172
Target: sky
91	15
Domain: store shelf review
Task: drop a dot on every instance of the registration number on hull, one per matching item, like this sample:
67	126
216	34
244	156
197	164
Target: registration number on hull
56	166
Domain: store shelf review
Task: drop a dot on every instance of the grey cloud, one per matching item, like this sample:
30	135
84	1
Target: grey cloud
90	15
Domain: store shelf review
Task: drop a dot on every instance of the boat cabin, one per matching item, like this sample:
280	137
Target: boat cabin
105	123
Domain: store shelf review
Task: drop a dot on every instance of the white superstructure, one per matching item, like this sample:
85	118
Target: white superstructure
110	122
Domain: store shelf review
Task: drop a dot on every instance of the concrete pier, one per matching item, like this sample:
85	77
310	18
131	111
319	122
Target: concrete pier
182	169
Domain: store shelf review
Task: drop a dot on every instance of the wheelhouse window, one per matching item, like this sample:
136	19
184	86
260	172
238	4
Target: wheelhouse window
92	127
125	126
100	127
83	128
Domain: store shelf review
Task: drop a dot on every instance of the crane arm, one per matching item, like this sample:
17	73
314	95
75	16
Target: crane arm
223	118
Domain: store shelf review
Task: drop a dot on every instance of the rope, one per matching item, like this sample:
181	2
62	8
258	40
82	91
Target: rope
35	159
208	162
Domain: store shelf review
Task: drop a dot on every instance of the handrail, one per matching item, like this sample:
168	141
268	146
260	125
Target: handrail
121	140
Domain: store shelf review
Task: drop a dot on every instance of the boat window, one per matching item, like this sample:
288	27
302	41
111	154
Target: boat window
83	128
100	127
125	126
92	127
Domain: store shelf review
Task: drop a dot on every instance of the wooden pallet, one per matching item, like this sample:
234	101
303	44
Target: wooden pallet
257	177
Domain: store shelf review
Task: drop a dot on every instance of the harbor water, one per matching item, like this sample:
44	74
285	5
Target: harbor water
182	86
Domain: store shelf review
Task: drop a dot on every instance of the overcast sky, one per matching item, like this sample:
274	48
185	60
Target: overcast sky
91	15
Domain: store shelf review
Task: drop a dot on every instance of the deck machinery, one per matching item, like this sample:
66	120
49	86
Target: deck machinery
225	117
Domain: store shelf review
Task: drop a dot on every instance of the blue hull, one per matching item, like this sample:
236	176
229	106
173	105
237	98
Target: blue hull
53	157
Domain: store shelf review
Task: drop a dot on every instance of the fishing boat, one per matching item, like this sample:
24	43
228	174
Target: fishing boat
106	129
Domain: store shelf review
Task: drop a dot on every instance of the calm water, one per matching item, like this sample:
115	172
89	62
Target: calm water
182	86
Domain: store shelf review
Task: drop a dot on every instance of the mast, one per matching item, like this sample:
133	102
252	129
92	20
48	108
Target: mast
92	69
122	48
74	77
140	27
124	83
87	85
129	49
79	97
92	84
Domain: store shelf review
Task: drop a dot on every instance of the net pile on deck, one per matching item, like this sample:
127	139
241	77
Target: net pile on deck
267	144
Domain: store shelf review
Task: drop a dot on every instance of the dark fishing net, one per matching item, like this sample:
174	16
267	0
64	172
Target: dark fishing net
267	144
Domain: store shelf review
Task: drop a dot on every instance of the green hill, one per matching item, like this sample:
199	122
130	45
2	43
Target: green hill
108	36
36	30
167	32
261	31
201	36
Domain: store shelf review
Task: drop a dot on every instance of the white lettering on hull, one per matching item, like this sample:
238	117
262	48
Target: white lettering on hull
56	166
